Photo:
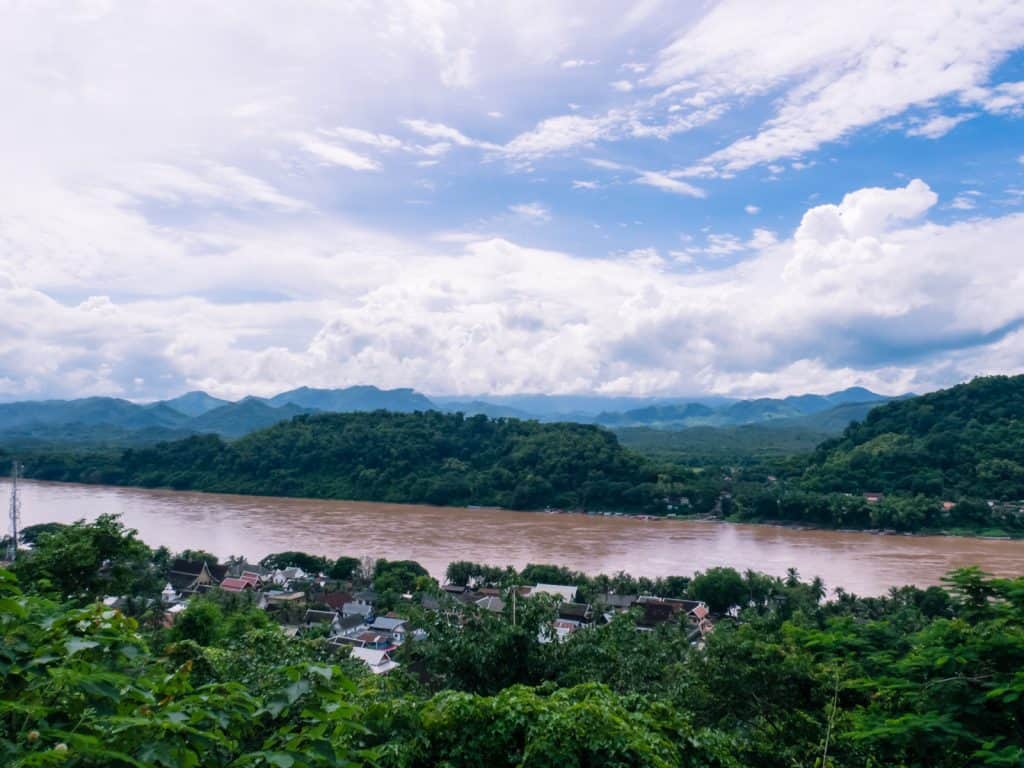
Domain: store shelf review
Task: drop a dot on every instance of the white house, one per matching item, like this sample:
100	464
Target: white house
379	662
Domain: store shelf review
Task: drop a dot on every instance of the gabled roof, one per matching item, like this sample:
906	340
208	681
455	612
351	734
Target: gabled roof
181	582
181	565
346	623
335	600
379	662
319	617
235	585
356	609
574	611
385	624
491	603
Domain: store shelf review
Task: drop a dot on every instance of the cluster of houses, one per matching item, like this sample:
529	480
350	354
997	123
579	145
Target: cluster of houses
573	616
302	603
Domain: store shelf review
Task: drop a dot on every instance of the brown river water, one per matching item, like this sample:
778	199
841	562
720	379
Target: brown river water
254	526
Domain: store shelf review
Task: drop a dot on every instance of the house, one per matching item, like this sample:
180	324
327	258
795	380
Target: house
231	584
369	639
491	603
314	617
378	661
559	591
172	613
578	612
454	589
365	597
277	600
562	629
282	576
189	577
617	603
392	626
362	610
239	570
333	600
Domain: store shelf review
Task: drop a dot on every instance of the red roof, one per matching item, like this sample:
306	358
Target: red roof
235	585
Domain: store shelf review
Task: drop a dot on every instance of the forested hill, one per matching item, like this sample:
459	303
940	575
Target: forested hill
429	457
964	441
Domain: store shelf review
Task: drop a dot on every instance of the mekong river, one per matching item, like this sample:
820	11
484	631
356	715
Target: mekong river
255	526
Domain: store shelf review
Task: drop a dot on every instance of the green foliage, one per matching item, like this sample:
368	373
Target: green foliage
89	560
720	588
80	687
399	576
583	726
427	457
308	563
344	568
967	441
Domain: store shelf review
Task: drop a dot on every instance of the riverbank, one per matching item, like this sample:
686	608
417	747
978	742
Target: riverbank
434	536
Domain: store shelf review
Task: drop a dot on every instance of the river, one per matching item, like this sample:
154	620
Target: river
254	526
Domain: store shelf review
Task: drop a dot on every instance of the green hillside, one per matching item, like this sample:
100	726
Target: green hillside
963	441
427	457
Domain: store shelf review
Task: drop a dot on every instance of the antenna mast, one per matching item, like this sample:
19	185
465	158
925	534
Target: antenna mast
12	544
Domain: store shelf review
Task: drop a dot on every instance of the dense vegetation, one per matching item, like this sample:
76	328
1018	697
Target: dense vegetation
963	441
419	457
915	678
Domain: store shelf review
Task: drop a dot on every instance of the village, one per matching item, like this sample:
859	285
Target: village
371	627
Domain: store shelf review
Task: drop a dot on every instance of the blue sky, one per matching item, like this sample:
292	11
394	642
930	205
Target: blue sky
619	198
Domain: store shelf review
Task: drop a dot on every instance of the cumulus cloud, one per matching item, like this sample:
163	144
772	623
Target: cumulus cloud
863	290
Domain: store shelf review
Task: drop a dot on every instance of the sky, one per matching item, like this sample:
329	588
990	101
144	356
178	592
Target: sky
647	198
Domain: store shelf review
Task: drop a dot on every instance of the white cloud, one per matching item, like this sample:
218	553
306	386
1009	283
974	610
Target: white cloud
938	126
866	212
668	184
752	209
1001	99
859	287
335	154
963	203
582	184
577	63
535	211
839	67
557	134
445	134
622	86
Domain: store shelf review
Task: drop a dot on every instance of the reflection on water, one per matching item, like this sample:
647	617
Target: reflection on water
255	526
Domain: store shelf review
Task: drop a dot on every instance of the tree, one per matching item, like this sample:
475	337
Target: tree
90	560
344	568
308	563
720	588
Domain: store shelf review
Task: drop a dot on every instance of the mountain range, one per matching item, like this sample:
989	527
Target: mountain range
119	422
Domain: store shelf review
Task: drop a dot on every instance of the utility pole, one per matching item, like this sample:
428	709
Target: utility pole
12	544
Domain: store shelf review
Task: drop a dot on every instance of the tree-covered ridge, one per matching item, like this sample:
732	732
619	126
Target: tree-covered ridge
964	441
429	457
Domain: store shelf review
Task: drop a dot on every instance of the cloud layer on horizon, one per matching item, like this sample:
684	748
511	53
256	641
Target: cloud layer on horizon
463	200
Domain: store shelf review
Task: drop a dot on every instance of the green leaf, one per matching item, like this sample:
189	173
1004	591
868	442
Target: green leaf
75	644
